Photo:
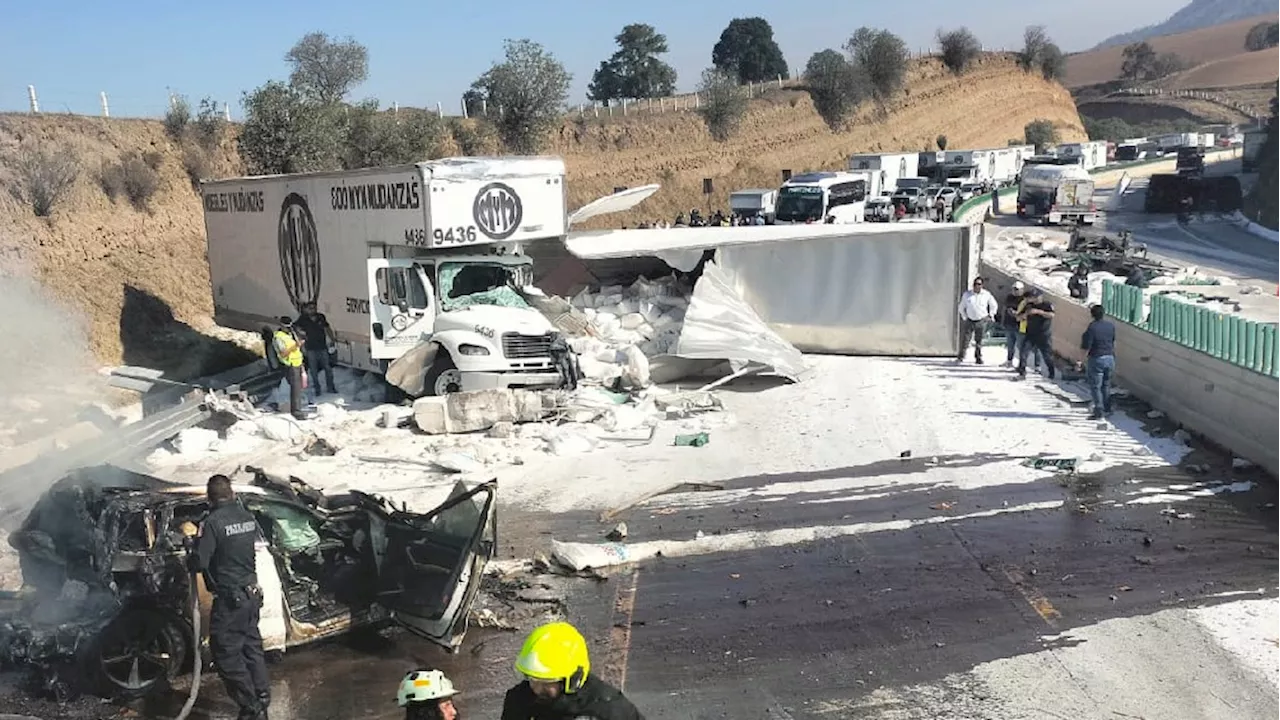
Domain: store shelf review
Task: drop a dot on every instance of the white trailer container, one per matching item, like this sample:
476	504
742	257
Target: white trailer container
750	203
393	257
1173	141
891	167
1089	155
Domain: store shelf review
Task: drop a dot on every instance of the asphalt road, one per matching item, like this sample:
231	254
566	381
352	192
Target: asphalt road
1208	242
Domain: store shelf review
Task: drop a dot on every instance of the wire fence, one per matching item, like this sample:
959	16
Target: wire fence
65	103
1211	97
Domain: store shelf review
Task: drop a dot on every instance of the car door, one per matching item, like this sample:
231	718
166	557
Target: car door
430	565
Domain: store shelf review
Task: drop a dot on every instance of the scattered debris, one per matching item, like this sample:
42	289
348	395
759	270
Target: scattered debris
580	556
618	533
320	447
608	515
1241	464
1041	463
692	440
1177	514
1182	436
474	410
904	455
1144	559
457	462
942	506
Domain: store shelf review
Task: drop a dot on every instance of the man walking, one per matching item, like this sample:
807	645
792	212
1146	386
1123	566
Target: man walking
1009	322
317	336
1038	315
977	308
1099	342
287	349
225	553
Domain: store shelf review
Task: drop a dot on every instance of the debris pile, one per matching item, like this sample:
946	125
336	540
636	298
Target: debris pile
628	325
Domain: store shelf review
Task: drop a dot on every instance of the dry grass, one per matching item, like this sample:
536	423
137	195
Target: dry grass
90	251
1246	68
1206	45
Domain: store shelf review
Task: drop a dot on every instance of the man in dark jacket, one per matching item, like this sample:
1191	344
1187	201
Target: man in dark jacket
1099	342
1038	316
558	682
1009	322
317	336
225	553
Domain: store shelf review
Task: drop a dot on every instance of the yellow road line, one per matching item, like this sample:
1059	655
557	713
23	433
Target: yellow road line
1034	598
624	605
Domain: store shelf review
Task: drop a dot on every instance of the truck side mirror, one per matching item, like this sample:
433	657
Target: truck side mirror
402	306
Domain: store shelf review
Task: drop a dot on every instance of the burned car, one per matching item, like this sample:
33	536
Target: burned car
106	601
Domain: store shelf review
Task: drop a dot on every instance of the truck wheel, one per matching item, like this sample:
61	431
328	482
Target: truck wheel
443	377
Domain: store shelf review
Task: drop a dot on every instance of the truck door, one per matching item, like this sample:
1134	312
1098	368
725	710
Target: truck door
401	306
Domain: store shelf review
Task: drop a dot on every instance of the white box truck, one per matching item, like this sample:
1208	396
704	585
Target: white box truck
394	257
891	167
1089	155
757	202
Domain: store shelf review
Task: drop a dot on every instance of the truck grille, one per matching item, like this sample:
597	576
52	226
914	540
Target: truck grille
515	345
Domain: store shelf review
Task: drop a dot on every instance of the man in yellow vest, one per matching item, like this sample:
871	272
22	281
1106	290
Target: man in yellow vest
287	349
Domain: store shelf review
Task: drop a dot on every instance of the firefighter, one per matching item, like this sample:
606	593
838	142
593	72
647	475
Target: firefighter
289	350
225	553
427	695
558	683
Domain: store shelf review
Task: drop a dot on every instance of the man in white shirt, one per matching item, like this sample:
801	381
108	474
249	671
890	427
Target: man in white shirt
977	308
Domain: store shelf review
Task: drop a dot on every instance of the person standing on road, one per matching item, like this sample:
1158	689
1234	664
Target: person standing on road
1037	313
1099	343
225	553
287	348
427	695
317	338
977	308
1009	322
558	683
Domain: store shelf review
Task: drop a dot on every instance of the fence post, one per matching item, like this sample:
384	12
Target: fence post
484	107
106	110
624	107
439	109
779	81
226	111
31	96
463	103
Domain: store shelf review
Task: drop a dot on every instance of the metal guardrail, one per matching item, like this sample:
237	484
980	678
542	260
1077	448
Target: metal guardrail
1244	343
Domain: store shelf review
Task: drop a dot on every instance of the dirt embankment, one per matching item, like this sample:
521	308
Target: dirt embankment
141	276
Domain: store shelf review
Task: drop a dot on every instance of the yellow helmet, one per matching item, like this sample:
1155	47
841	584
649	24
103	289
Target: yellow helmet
556	651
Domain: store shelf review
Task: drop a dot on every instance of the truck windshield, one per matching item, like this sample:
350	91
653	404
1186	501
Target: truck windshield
464	284
799	203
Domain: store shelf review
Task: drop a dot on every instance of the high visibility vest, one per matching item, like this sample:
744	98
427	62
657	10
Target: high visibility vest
287	349
1022	307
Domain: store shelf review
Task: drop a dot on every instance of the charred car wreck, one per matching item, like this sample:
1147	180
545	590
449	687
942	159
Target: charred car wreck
105	606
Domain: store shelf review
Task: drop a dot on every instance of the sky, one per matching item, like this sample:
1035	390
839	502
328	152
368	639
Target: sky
427	52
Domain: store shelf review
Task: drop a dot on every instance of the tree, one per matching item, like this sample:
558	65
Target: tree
634	71
326	69
746	50
835	86
941	142
959	48
1034	41
1040	133
525	93
209	124
882	57
1053	62
177	117
285	131
1262	36
376	138
1167	64
1139	62
722	103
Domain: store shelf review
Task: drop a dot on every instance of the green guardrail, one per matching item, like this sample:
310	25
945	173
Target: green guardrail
1245	343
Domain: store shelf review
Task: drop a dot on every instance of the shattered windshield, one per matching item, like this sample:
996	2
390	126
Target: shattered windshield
481	283
799	203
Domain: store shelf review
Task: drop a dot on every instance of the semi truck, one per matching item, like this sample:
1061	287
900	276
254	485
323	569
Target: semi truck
754	203
1089	155
1057	193
395	257
1252	150
890	167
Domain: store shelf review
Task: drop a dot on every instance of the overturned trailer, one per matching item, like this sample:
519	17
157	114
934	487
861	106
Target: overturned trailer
855	289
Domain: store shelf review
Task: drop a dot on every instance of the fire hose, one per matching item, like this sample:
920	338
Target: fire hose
195	630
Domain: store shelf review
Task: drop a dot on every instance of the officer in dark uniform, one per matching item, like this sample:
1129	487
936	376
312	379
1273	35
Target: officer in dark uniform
225	554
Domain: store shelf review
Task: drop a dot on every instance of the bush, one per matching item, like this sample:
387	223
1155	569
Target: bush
1053	62
723	103
1040	133
475	137
177	117
132	177
882	57
941	142
197	163
1262	36
209	124
44	174
959	49
377	138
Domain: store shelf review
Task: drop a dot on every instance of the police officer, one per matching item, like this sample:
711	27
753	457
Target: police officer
225	554
558	683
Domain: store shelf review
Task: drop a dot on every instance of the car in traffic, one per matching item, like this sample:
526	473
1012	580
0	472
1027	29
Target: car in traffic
950	196
105	606
879	209
909	197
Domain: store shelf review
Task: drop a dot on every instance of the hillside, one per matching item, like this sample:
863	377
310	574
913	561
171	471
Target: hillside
1248	68
1197	14
1206	45
141	277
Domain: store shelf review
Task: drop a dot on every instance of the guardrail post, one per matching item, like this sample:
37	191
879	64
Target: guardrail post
1253	345
31	97
1269	350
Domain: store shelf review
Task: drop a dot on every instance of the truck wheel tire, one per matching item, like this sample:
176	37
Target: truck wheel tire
442	378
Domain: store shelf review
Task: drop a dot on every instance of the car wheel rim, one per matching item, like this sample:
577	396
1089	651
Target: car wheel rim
135	655
448	382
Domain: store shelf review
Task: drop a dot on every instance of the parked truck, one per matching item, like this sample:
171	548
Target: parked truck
1057	193
1089	155
752	203
890	166
1252	150
394	257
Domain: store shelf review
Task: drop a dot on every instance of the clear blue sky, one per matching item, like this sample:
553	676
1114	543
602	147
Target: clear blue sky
428	51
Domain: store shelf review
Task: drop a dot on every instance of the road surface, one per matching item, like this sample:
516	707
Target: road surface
829	577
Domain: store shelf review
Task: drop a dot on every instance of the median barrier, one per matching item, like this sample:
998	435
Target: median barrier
1220	398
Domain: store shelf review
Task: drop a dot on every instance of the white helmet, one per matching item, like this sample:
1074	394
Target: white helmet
422	685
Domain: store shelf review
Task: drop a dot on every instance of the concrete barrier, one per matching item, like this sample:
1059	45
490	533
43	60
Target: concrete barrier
1235	408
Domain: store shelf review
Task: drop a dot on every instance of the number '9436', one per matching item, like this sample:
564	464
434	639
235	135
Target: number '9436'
460	234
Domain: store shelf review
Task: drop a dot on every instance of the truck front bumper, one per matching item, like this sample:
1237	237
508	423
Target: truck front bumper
491	380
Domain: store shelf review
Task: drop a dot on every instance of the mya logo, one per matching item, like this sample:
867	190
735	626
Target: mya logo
497	211
299	251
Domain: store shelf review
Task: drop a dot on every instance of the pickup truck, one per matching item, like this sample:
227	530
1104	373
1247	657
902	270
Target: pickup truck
910	197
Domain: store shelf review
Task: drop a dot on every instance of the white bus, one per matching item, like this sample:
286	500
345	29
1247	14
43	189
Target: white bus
826	197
